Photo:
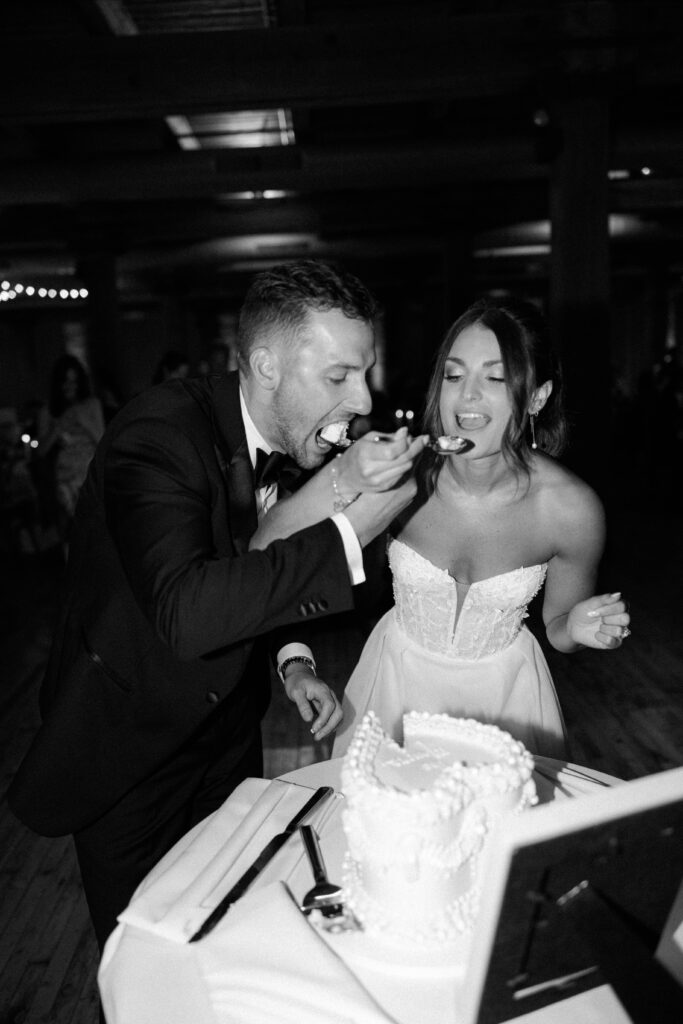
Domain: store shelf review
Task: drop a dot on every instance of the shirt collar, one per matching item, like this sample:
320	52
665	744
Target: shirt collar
254	438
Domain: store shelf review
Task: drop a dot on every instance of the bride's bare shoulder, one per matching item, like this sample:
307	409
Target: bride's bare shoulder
563	494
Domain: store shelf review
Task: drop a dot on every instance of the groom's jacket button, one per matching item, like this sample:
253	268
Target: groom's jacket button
212	697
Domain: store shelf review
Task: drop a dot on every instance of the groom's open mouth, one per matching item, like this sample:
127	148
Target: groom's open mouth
472	420
333	435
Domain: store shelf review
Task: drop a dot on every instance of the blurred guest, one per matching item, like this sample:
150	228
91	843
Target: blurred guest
218	359
18	496
171	366
76	425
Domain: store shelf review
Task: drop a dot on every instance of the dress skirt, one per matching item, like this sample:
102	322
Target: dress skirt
511	688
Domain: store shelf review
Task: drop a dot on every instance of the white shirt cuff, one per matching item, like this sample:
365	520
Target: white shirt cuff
352	548
294	651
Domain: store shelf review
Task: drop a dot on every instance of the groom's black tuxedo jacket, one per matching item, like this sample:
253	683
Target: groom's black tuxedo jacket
164	603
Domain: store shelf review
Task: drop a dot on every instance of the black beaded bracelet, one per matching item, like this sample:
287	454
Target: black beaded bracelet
289	661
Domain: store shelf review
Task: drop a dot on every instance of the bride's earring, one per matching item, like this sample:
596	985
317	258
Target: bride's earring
532	417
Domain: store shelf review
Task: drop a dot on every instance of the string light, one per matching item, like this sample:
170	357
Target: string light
10	291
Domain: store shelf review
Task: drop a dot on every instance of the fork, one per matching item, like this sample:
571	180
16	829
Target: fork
324	896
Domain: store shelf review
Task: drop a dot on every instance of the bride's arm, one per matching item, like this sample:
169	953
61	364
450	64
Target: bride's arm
574	615
366	467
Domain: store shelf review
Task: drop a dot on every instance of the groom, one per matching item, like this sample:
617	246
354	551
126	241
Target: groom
158	677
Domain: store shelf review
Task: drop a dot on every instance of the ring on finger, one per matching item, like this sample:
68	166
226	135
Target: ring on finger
625	632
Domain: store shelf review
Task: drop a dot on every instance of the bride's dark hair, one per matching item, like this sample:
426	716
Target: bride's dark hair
528	361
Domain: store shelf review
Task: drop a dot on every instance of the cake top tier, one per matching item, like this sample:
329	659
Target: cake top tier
449	759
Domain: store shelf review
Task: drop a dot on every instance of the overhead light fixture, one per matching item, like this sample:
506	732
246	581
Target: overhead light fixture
251	195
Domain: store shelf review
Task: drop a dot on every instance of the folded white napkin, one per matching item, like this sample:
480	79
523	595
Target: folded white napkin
266	964
144	979
187	884
263	963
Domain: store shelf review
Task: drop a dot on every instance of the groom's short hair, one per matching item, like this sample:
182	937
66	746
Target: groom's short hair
279	300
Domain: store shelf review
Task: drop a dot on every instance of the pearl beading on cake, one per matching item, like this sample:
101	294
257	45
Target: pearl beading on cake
510	765
454	918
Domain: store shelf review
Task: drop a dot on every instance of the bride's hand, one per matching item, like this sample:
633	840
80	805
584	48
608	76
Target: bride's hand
600	622
377	461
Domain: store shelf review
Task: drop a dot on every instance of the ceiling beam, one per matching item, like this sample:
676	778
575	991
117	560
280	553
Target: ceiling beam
309	169
456	56
304	169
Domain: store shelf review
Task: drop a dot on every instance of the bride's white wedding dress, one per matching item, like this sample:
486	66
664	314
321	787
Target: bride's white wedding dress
472	658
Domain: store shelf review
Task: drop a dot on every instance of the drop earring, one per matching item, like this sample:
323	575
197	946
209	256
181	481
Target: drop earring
532	417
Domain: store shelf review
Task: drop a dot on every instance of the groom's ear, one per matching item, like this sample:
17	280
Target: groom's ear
541	396
265	367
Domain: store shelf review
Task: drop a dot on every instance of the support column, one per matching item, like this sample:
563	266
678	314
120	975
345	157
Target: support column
580	276
98	273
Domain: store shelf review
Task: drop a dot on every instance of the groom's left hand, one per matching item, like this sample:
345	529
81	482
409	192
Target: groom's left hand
315	700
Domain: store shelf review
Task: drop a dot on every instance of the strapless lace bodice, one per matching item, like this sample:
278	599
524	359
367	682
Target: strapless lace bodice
427	605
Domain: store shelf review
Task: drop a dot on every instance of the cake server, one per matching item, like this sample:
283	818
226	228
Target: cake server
264	857
325	895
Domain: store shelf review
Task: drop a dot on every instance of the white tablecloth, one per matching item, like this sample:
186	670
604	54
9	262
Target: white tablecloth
265	963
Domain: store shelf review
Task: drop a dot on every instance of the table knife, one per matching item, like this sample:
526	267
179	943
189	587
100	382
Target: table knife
266	855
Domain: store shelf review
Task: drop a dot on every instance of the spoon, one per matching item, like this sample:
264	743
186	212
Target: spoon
450	444
446	444
324	896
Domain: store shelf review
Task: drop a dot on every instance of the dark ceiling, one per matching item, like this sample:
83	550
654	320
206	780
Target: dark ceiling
198	139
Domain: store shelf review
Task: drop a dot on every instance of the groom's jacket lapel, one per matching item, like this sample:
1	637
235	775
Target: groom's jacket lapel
232	454
231	442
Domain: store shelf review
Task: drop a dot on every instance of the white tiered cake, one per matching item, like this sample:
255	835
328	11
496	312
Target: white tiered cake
417	819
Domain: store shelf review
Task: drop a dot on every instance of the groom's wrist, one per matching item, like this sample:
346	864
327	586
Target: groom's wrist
290	651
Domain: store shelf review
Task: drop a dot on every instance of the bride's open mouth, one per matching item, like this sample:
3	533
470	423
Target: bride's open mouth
472	420
333	435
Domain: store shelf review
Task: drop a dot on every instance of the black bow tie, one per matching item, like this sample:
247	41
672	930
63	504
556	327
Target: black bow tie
276	468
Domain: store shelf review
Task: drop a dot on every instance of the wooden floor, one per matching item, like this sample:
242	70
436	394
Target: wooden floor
624	711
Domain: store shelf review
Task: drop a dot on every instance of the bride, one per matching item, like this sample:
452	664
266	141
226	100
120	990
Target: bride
488	529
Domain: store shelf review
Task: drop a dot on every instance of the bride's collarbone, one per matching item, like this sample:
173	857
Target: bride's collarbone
484	523
471	553
506	493
493	503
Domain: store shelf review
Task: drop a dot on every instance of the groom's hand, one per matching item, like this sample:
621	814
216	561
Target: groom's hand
377	461
315	700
